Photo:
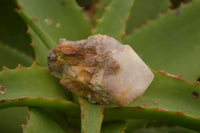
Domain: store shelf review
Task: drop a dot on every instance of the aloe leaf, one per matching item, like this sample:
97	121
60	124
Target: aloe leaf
34	87
45	38
30	82
134	124
144	11
11	119
91	116
85	3
48	26
13	57
114	127
165	130
147	126
39	122
172	42
100	9
114	19
40	50
178	3
13	30
65	106
58	19
170	99
59	117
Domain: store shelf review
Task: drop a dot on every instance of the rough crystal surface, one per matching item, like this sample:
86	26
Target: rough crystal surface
100	69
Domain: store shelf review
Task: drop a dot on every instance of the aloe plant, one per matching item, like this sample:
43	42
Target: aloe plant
168	40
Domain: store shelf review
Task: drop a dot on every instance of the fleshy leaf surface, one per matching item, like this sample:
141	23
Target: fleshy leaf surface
11	57
11	119
30	82
41	51
114	127
60	118
34	87
101	6
169	99
13	30
165	130
171	43
144	11
60	19
61	105
91	116
134	124
114	19
39	122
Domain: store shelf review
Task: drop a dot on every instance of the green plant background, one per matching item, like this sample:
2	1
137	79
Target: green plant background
165	34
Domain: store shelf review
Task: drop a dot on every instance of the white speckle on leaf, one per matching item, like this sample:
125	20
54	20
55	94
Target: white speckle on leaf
155	102
48	21
58	25
3	90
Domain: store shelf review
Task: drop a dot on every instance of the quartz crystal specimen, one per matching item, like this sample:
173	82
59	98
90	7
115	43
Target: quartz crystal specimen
100	69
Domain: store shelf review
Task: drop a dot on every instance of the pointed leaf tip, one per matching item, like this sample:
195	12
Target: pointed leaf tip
113	21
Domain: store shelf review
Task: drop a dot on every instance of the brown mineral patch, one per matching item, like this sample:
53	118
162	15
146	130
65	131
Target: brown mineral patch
84	76
112	68
74	86
58	63
73	55
63	50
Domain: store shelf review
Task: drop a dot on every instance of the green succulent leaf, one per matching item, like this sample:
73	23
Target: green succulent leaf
153	126
172	42
91	116
165	130
65	20
48	42
134	124
85	3
13	57
13	30
114	127
40	122
35	87
41	51
144	11
100	9
11	119
169	99
41	42
114	19
60	118
62	18
67	107
30	82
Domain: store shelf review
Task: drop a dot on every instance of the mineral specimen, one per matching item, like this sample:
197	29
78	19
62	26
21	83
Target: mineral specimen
100	69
